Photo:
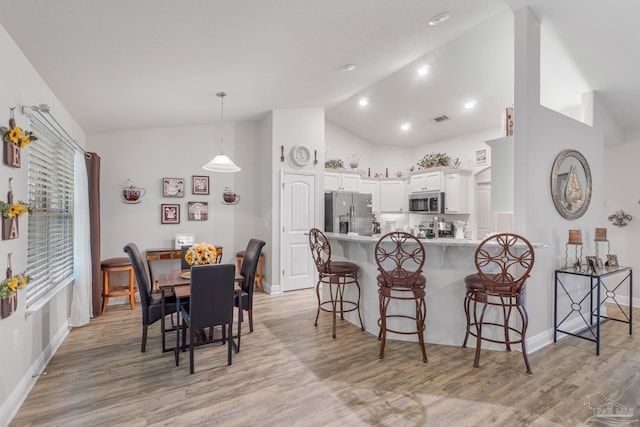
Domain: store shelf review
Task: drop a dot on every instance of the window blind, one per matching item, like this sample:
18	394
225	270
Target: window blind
50	228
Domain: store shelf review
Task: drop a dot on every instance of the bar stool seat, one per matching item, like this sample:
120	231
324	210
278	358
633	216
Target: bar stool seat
112	265
259	272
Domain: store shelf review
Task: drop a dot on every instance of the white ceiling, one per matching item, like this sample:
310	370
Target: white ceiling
126	64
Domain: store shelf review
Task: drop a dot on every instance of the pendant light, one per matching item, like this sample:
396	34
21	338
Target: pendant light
221	163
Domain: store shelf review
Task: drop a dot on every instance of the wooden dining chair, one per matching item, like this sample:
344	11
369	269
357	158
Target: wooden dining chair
210	304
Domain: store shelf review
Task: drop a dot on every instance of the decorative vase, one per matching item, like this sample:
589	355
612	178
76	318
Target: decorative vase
8	305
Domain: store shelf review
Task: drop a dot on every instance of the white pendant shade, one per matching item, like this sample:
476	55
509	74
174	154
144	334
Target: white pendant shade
221	163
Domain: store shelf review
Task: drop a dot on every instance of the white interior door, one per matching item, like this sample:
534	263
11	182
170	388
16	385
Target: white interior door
297	218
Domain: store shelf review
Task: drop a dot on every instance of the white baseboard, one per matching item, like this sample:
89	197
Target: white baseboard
19	394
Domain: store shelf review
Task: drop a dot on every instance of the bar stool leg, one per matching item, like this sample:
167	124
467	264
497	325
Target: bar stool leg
105	289
132	289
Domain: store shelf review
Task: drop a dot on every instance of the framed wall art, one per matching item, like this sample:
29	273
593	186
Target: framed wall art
170	213
173	187
198	211
200	184
481	157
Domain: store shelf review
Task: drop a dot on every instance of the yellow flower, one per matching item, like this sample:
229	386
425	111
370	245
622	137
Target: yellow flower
201	253
15	134
24	141
23	282
13	284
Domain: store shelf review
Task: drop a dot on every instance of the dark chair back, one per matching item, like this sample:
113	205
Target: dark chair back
142	278
184	265
400	258
212	294
248	270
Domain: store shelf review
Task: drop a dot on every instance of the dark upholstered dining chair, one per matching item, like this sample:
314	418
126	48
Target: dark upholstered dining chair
503	263
400	258
151	302
210	304
244	297
184	265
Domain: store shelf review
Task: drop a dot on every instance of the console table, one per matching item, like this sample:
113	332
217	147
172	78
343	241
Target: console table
594	294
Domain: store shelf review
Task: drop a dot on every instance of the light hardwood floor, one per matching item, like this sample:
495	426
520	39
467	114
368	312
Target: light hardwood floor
290	373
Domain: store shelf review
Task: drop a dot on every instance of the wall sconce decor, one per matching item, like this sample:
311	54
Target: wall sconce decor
575	239
620	218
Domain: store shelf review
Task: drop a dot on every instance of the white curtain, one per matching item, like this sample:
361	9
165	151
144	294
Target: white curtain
81	301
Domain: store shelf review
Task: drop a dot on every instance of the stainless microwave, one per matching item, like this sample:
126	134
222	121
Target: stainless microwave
427	202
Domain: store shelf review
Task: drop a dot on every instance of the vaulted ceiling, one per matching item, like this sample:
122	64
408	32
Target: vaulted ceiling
126	64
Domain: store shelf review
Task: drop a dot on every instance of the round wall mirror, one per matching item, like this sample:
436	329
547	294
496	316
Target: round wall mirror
571	184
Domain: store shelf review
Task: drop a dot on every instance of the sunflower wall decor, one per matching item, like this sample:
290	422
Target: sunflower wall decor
14	139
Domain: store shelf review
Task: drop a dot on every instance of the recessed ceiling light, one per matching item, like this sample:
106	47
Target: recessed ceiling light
440	18
363	102
348	67
405	126
470	104
423	70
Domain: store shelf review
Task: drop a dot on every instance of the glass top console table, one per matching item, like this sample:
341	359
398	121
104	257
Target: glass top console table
596	295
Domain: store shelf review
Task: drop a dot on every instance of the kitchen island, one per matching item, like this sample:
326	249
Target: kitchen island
448	261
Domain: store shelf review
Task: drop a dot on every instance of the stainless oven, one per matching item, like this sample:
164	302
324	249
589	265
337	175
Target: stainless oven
427	202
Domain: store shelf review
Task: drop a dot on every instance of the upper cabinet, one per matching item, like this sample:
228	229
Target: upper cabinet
341	181
393	197
428	181
373	187
457	191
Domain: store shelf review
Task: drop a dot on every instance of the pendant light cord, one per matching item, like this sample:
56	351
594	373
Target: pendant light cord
221	95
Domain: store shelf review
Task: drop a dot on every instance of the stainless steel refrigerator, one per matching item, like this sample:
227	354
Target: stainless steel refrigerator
352	209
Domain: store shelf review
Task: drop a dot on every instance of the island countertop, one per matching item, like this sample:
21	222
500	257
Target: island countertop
448	261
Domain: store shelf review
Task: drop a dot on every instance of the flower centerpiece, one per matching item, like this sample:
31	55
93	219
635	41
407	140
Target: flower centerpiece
9	210
8	296
354	161
201	253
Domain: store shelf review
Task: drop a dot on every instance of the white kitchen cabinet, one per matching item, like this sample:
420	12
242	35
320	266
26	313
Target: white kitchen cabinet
341	182
428	181
457	191
393	197
373	187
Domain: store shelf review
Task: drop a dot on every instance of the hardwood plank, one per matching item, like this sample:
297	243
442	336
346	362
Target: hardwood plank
292	373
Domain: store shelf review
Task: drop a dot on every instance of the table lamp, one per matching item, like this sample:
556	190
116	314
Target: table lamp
575	239
601	236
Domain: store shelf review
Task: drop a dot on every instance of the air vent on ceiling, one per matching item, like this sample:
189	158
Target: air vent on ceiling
440	119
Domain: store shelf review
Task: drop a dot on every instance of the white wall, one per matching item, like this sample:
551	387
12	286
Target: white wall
540	135
147	156
37	335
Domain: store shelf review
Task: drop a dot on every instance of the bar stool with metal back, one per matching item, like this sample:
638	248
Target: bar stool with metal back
337	275
400	258
503	262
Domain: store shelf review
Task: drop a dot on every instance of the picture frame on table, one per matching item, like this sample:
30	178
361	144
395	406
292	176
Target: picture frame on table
173	187
200	184
612	260
184	239
592	263
170	213
198	211
481	157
